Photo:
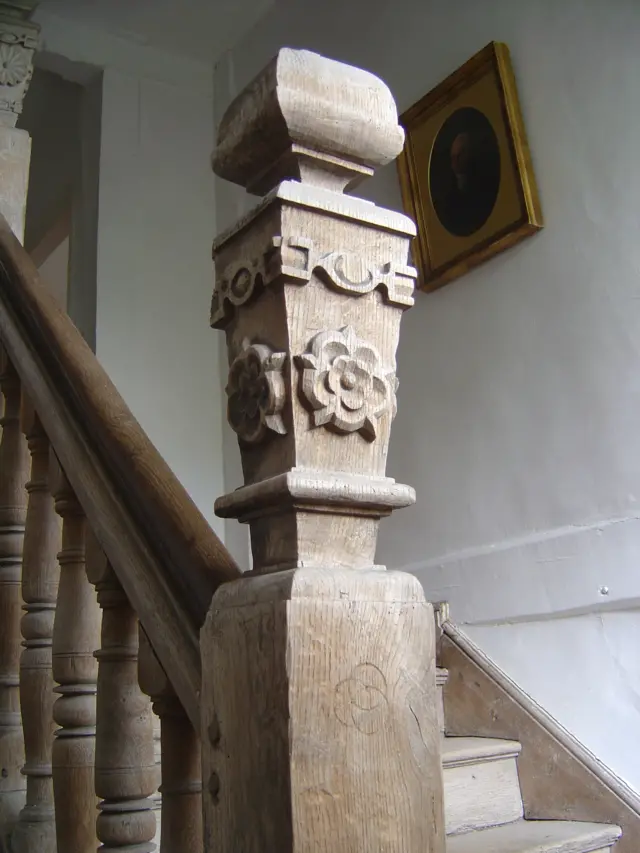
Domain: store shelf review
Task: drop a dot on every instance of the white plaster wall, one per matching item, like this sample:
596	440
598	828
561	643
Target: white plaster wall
148	130
519	411
584	671
51	117
154	282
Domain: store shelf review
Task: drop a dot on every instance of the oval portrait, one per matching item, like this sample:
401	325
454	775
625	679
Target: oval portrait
464	171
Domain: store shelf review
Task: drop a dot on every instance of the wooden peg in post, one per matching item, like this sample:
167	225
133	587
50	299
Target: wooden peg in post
319	668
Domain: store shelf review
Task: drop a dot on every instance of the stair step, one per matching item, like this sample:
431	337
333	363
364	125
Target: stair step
538	836
481	785
457	751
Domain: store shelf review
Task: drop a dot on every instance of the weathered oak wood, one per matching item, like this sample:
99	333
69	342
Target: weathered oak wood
332	124
310	289
126	773
76	636
36	831
320	706
319	692
181	788
133	502
14	472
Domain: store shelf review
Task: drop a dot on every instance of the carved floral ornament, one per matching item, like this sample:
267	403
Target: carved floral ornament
15	64
344	382
256	392
18	42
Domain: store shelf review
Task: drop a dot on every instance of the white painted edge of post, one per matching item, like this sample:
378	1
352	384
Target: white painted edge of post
553	728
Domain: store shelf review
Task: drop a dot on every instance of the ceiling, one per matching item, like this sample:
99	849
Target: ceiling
200	29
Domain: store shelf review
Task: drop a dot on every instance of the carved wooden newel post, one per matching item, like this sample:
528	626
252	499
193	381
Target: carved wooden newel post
320	665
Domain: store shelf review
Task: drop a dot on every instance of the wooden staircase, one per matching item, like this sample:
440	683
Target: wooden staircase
299	706
484	810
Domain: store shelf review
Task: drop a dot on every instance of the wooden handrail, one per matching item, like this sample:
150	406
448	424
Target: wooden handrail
166	556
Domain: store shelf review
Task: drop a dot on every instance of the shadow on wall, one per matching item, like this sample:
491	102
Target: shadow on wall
51	116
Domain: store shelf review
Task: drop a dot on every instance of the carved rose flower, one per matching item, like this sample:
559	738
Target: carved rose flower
256	392
14	64
345	383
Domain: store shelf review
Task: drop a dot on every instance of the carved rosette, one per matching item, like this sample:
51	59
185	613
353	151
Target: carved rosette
345	383
19	39
256	392
15	64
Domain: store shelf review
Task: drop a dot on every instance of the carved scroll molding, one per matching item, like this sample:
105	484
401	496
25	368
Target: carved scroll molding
345	383
234	287
297	258
256	392
19	40
346	271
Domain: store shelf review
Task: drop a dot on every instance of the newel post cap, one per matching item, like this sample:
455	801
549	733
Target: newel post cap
309	118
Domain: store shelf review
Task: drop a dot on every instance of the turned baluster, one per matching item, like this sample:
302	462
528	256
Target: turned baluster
126	774
14	472
76	636
156	797
35	832
181	788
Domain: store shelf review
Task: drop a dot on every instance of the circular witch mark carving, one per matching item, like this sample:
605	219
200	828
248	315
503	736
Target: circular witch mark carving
345	383
256	392
361	700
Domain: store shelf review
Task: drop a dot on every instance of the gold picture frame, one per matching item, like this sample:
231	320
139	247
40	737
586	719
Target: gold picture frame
465	171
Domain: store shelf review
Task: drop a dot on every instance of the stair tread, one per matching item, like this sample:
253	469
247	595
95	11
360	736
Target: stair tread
536	836
467	750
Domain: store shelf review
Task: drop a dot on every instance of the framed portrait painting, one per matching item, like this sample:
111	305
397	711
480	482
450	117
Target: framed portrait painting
465	171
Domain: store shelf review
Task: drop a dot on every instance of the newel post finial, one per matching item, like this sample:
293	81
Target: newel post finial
318	669
310	288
